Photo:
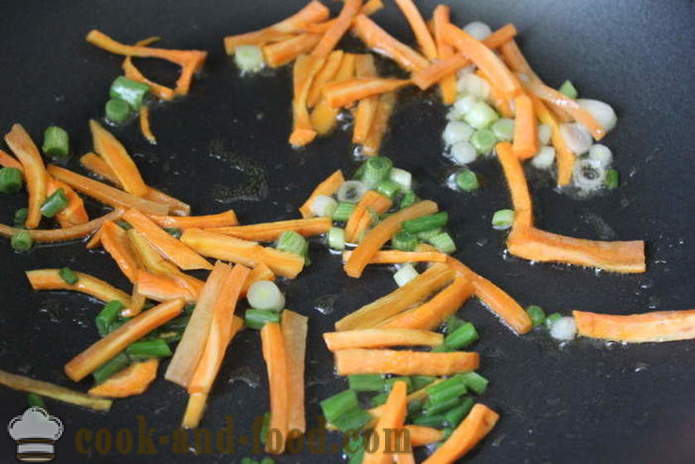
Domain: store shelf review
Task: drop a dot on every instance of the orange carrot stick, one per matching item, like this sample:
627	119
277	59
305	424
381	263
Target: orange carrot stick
104	193
403	362
145	126
74	213
62	235
169	247
387	103
323	116
423	436
525	128
49	279
275	357
382	233
304	71
377	338
164	287
377	39
393	417
339	27
565	156
368	8
516	182
280	53
8	161
497	97
260	272
221	220
294	333
479	422
418	395
116	243
447	85
417	24
399	257
366	108
372	202
133	380
34	170
270	231
137	303
537	245
657	326
345	93
327	187
326	74
158	90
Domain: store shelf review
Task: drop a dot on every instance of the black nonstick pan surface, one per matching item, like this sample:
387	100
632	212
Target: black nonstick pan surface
225	146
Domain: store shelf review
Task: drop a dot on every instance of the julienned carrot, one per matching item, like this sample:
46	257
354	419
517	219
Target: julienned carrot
399	257
74	213
431	314
417	24
133	380
275	357
169	247
313	12
393	418
116	243
371	203
61	235
327	187
339	27
49	279
106	348
132	72
105	193
565	156
497	97
376	338
34	170
270	231
190	348
366	108
516	182
403	362
447	86
484	58
479	422
537	245
137	303
49	390
516	60
304	71
379	235
377	39
324	116
657	326
294	333
413	292
418	395
325	74
164	287
387	103
368	8
422	436
260	271
8	161
525	128
244	252
145	126
118	159
443	67
280	53
226	219
345	93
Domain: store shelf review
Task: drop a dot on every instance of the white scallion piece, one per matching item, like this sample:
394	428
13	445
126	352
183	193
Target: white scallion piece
264	294
481	115
472	84
464	104
544	159
564	329
462	153
351	191
577	137
323	205
405	274
588	175
249	58
336	238
457	131
503	129
602	112
601	154
402	178
478	29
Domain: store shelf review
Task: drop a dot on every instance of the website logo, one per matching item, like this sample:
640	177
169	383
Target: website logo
35	432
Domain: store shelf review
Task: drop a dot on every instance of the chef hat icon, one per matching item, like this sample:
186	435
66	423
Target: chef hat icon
35	432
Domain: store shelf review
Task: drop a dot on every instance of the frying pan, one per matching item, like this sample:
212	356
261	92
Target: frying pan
225	146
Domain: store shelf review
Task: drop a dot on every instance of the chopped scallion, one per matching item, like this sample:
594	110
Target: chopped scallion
54	204
405	274
536	314
502	219
107	316
388	188
68	276
424	223
375	170
466	180
129	91
366	382
404	241
22	241
483	141
10	180
569	90
265	294
343	211
56	142
117	111
461	337
257	318
443	242
336	238
109	368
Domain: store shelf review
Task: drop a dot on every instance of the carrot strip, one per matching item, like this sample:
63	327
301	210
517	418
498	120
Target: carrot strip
294	333
190	349
34	170
260	272
372	144
137	303
516	182
366	108
106	348
413	292
145	126
345	93
342	23
431	314
479	422
176	206
239	251
270	231
49	279
657	326
105	193
361	361
164	287
325	74
116	243
132	72
393	417
380	41
275	357
313	12
525	128
8	161
417	24
382	233
220	220
499	100
398	257
377	338
169	247
538	245
516	60
305	69
368	8
423	436
74	213
280	53
50	390
133	380
323	116
447	85
61	235
361	219
565	156
327	187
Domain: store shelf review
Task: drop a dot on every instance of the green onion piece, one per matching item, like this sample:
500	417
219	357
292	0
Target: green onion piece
378	400
433	408
366	382
569	90
107	316
265	427
35	400
440	349
403	178
408	382
68	276
146	349
129	91
336	238
54	204
502	219
22	241
503	129
10	180
339	404
173	231
552	319
466	180
354	419
475	382
267	461
424	223
20	217
428	234
443	242
455	416
292	242
56	142
106	370
461	337
354	449
421	381
249	58
483	141
404	241
375	170
357	457
612	180
405	274
388	188
115	325
452	387
117	111
343	212
257	318
408	199
453	323
415	406
536	314
481	115
434	421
